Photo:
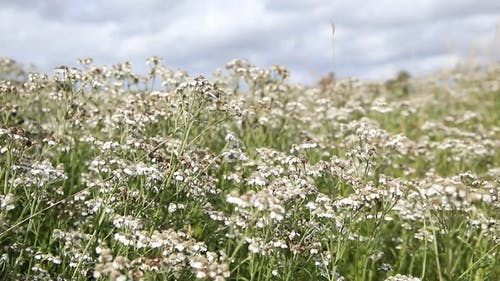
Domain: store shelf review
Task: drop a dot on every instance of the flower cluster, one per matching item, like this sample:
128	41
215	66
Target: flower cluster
113	175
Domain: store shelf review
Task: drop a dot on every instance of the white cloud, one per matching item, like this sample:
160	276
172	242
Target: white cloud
373	39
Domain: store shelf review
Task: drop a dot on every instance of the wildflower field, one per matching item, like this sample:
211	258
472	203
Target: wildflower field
106	174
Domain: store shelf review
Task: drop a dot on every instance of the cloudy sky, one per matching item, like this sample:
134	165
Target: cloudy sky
373	39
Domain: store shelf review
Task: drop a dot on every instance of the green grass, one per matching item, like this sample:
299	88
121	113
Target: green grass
110	175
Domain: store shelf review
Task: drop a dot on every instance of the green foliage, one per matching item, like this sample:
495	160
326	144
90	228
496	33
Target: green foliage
108	174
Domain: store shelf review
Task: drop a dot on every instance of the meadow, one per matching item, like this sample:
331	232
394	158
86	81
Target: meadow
107	174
